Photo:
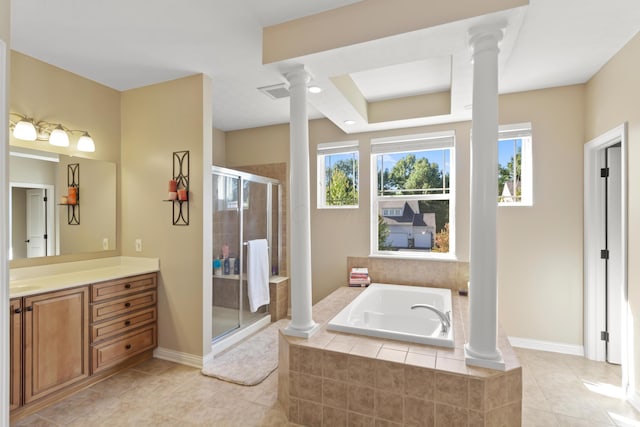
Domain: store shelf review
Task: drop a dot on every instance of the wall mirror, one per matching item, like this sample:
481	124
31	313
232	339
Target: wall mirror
42	223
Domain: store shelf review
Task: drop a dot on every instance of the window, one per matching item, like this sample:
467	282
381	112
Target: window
412	205
338	174
515	165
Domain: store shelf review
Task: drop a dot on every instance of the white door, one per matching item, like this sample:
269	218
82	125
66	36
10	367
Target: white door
36	223
614	267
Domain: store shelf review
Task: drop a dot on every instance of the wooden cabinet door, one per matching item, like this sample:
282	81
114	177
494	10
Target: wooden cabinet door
15	353
56	341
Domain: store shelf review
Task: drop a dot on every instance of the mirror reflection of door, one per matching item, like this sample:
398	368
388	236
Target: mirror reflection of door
36	222
32	232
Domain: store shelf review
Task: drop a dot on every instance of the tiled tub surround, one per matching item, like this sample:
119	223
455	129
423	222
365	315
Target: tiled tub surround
336	379
449	274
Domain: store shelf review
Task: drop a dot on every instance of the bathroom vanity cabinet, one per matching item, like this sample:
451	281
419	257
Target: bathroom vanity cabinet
54	352
123	319
15	353
64	340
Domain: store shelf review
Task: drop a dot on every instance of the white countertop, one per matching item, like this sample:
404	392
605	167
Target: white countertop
46	278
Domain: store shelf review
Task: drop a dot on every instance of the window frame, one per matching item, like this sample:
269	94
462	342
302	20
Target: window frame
524	132
406	144
330	148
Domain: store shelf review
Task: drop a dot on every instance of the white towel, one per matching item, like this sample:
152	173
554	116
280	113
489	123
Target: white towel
257	273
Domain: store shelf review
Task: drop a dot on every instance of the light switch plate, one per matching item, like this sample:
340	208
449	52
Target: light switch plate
138	245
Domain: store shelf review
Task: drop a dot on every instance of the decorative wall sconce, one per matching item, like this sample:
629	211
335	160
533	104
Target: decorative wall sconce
28	129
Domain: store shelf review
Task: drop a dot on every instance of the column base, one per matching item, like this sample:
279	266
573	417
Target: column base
474	359
301	333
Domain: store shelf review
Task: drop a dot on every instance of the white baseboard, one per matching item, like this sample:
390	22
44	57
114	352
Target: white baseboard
556	347
634	399
178	357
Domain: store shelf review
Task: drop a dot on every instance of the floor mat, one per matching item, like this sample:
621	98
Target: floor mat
251	361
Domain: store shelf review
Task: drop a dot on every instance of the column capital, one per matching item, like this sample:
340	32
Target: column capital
486	36
297	74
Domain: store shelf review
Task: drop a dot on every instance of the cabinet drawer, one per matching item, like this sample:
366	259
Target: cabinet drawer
120	306
116	288
122	324
112	352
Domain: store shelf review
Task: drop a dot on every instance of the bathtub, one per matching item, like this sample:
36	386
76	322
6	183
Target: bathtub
384	311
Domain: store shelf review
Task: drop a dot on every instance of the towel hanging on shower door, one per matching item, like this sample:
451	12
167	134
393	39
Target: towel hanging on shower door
257	273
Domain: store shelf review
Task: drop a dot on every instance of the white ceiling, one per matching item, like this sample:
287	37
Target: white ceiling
126	44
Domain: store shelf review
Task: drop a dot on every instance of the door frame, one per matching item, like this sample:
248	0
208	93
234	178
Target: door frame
595	240
4	235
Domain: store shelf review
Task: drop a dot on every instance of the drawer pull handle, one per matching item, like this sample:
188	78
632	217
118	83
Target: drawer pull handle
127	323
127	347
127	304
127	286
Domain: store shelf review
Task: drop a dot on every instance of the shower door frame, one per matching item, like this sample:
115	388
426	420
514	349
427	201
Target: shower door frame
270	182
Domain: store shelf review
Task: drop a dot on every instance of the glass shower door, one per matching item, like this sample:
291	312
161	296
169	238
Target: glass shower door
226	241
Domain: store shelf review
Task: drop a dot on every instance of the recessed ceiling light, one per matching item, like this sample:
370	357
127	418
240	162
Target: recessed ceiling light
315	89
349	122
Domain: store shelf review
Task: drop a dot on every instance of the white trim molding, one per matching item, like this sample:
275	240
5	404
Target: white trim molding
178	357
4	235
595	240
555	347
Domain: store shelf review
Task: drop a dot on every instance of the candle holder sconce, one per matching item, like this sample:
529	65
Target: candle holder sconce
180	203
73	198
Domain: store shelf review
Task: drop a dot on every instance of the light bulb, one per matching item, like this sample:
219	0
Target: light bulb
85	143
59	137
25	130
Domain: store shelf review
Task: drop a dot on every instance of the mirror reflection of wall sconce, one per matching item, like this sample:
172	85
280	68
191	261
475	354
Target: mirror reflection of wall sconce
72	200
28	129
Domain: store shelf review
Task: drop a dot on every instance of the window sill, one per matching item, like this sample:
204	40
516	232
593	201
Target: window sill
338	207
448	257
507	204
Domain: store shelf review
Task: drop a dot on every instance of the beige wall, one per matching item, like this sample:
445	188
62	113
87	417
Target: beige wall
45	92
540	247
219	152
611	99
543	241
5	19
156	121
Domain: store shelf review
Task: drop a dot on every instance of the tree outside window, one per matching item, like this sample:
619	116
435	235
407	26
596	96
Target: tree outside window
338	172
413	197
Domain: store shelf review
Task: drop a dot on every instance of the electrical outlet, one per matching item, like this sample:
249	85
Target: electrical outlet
105	243
138	245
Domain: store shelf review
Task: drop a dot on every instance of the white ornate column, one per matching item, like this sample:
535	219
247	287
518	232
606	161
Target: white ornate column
482	350
302	324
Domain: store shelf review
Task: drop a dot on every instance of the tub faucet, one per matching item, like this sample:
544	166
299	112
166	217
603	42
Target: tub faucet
445	318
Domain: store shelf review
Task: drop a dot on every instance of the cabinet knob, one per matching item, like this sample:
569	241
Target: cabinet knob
127	286
17	311
127	304
127	322
29	308
127	347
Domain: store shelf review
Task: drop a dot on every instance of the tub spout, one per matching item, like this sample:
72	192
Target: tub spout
445	318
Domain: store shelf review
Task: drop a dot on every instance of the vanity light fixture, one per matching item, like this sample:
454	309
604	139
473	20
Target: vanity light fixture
28	129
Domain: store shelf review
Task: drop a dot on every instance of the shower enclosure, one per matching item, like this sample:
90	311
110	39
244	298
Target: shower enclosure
245	207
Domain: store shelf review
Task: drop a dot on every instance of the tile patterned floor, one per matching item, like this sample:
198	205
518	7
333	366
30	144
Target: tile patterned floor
559	390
